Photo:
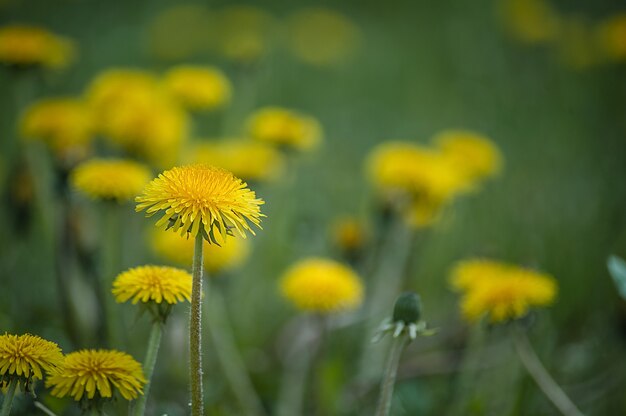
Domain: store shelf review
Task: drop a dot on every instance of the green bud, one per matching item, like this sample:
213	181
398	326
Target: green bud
408	308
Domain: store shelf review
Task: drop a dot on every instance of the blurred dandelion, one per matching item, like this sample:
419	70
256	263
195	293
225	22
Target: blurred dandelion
244	33
284	128
198	88
322	37
25	46
611	35
64	124
23	360
248	160
471	152
157	288
349	235
110	179
322	286
530	21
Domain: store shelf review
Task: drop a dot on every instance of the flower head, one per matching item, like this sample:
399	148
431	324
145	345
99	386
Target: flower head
245	159
322	285
200	198
64	124
349	234
612	36
471	152
33	46
97	374
152	284
244	33
114	179
197	87
531	21
284	128
179	250
27	357
501	291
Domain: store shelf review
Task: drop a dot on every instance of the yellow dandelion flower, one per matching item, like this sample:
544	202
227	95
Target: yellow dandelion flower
199	198
501	291
322	285
27	357
422	212
90	372
114	179
473	153
244	33
283	127
409	168
248	160
64	124
179	250
29	45
321	36
531	21
349	234
152	284
134	113
198	87
611	34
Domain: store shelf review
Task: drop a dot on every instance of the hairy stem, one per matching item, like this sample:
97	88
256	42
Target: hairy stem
8	399
148	365
389	379
195	331
541	376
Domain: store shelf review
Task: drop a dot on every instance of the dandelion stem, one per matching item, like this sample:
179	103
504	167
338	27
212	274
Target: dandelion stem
195	328
148	365
43	408
538	372
389	379
229	357
8	399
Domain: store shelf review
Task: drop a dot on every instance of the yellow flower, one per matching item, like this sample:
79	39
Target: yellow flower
179	250
283	127
321	36
471	152
612	36
244	33
27	357
198	87
64	124
152	284
116	179
245	159
501	291
98	371
29	45
531	21
135	114
322	285
197	198
349	234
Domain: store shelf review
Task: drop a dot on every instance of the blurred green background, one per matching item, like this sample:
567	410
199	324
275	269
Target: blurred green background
420	67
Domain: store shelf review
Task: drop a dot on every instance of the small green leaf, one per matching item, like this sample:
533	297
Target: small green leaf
617	269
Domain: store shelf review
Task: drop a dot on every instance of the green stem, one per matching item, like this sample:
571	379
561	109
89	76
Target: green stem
148	366
229	358
538	372
8	399
43	408
195	331
389	380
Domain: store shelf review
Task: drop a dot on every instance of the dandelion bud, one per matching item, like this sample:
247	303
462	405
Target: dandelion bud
408	308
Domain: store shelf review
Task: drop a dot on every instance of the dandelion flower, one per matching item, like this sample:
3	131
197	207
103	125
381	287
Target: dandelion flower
64	124
179	250
199	198
113	179
34	46
321	285
248	160
322	37
244	33
501	291
471	152
284	128
198	87
90	372
27	357
612	36
349	234
531	21
152	284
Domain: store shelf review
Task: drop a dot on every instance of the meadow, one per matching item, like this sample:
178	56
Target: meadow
312	208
